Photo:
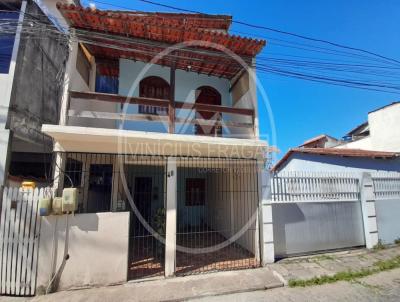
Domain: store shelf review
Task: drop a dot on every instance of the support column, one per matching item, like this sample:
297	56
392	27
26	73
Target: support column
69	73
117	166
368	210
265	215
5	154
170	229
58	175
171	106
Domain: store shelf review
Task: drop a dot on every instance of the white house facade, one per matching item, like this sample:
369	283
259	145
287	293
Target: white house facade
170	146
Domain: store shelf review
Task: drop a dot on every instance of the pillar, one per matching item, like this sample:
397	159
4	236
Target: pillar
170	229
368	210
265	216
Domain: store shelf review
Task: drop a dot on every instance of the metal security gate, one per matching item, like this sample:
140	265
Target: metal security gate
217	205
146	177
316	212
19	238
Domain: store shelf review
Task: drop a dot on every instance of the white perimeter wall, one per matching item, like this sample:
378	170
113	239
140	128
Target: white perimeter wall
98	249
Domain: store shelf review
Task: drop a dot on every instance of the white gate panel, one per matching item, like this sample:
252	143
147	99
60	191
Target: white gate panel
301	228
19	236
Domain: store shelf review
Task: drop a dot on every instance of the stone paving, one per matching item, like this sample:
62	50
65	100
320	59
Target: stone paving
331	263
383	287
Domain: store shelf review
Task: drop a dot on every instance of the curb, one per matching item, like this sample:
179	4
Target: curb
269	286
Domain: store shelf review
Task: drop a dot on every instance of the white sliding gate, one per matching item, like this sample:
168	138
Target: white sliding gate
19	238
315	212
387	204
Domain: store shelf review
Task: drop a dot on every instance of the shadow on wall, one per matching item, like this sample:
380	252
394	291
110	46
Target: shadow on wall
96	251
296	215
308	227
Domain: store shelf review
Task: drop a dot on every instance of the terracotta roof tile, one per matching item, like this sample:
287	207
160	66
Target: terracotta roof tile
164	27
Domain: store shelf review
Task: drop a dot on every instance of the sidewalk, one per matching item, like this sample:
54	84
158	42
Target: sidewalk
174	289
330	263
223	283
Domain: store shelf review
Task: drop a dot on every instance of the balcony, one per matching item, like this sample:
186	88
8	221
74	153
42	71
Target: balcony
112	111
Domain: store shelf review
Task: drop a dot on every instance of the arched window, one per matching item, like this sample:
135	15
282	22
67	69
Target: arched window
209	96
157	88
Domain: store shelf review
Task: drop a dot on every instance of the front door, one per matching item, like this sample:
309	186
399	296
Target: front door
142	198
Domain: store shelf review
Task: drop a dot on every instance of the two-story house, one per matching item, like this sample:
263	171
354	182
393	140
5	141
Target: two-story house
159	118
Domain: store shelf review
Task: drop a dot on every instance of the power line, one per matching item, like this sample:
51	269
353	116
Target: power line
266	28
37	29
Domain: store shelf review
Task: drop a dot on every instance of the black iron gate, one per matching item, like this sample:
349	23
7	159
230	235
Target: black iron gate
217	215
146	176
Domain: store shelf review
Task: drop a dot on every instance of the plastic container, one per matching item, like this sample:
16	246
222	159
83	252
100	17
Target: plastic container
44	206
69	203
57	205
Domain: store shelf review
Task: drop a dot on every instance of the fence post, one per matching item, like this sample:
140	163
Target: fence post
265	217
170	229
368	210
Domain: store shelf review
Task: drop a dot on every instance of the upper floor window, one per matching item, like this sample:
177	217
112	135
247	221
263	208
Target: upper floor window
157	88
9	22
107	73
208	96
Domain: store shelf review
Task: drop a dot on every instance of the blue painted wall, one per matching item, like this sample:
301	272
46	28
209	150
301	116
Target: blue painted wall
318	163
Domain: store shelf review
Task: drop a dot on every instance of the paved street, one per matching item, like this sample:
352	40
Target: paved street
380	287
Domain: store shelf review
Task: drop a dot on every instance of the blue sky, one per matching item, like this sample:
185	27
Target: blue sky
304	109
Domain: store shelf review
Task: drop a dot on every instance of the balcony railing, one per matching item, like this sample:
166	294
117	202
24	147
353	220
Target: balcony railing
83	105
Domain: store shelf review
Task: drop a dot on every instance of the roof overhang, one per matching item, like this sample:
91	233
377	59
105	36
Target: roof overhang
337	152
116	141
202	39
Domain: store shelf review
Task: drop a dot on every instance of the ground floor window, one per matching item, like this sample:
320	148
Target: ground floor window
195	192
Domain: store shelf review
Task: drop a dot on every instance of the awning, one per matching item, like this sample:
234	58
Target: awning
101	140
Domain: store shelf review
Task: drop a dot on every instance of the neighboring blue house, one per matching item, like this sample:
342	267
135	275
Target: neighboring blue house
337	160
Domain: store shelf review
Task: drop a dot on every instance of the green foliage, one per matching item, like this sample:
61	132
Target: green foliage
159	222
379	266
159	225
379	246
397	241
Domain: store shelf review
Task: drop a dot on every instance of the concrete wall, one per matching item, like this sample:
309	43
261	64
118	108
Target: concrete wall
37	88
308	227
6	83
363	143
387	215
384	131
98	249
384	128
317	163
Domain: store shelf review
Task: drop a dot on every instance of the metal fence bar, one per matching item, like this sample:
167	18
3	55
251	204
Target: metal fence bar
313	186
386	185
